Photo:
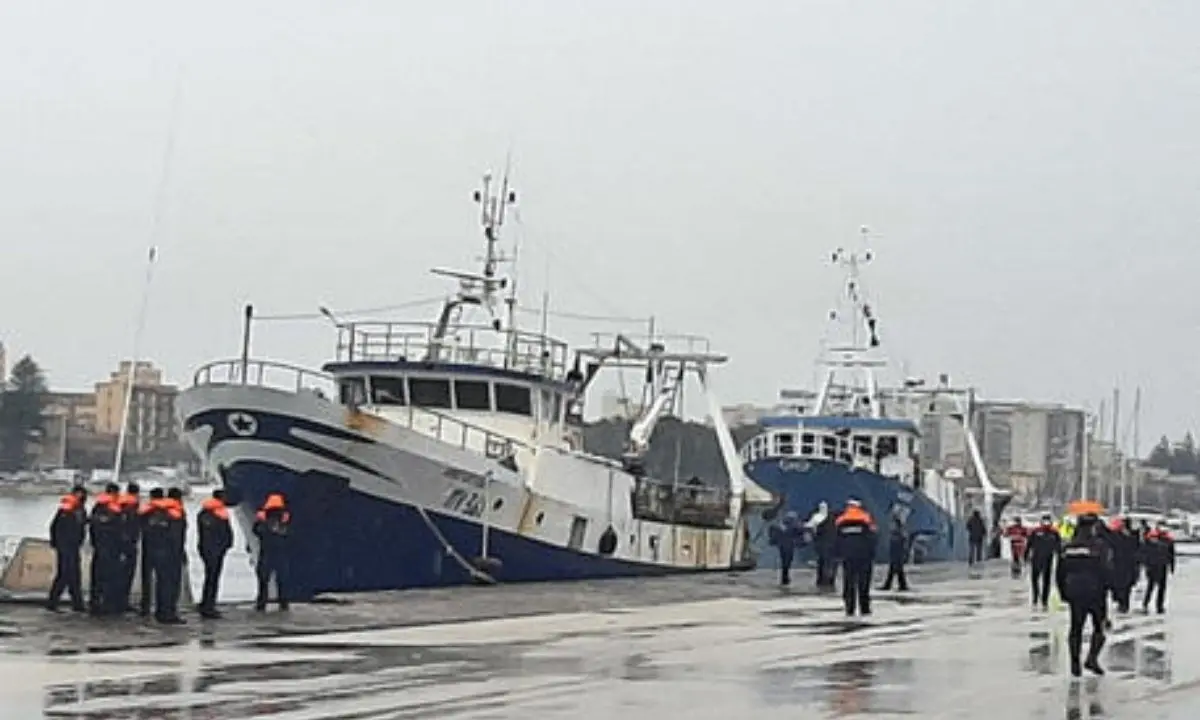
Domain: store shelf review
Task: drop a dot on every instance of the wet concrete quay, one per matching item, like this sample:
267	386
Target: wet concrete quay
717	646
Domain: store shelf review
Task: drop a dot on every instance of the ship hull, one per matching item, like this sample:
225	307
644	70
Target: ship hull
800	485
376	506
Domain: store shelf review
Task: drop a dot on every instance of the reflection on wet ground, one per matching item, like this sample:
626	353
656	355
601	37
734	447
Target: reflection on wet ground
955	647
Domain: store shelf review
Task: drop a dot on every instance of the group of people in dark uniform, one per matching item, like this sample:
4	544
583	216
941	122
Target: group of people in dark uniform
1091	564
848	540
128	535
1095	562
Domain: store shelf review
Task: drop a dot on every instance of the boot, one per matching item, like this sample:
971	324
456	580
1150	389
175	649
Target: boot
1076	671
1092	663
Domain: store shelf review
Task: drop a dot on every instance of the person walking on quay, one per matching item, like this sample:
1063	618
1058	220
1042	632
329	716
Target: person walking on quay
1043	547
1158	555
1084	579
215	538
976	535
856	542
786	536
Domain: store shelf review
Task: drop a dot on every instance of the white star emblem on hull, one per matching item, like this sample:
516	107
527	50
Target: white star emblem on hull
242	424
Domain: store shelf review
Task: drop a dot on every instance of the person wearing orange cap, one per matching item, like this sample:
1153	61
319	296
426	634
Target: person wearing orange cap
67	532
215	538
1084	580
104	530
855	545
273	527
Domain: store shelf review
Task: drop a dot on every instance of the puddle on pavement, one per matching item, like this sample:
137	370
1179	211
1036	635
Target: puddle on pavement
844	688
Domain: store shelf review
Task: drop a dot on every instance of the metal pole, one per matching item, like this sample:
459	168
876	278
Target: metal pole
1112	465
1086	460
1137	445
246	320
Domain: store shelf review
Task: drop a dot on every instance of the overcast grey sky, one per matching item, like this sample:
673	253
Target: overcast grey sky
1031	170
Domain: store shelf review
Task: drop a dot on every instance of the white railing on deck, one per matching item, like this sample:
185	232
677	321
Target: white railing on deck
453	431
294	378
527	352
266	373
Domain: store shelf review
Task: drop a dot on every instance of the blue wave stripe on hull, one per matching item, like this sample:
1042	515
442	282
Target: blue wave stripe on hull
346	541
805	484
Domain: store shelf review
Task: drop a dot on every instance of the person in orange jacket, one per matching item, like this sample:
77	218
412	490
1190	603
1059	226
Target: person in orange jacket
104	531
273	527
855	546
164	531
131	536
215	537
67	532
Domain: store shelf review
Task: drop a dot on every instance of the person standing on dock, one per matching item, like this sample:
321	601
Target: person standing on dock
1084	579
1043	547
824	535
273	527
104	530
215	538
1158	555
899	545
67	532
976	534
146	594
856	542
785	537
162	540
131	535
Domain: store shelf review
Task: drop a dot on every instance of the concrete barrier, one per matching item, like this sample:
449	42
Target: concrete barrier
27	572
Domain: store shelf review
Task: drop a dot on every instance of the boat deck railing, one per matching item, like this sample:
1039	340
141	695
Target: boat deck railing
374	341
294	378
266	373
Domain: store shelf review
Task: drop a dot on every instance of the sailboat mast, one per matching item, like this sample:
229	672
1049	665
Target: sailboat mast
1112	467
1137	445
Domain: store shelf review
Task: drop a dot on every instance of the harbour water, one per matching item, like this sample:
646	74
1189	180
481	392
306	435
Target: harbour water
30	516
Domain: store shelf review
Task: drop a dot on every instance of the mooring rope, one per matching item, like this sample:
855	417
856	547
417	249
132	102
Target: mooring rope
473	571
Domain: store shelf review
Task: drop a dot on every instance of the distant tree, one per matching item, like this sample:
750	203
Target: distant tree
1160	456
21	407
1183	456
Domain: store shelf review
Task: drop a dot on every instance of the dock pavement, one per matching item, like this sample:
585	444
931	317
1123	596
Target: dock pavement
721	646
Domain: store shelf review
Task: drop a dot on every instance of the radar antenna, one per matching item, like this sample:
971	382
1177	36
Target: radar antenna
480	289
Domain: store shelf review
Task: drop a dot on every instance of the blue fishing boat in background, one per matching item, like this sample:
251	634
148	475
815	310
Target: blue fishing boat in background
852	439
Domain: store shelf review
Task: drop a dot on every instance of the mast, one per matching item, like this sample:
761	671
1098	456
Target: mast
1137	445
481	289
1112	466
853	357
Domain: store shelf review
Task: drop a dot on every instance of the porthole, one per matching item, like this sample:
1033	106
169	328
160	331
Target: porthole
539	518
498	504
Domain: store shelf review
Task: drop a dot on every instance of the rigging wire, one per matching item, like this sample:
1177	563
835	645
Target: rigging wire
156	226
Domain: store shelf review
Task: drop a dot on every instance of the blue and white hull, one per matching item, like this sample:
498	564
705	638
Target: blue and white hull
380	506
801	484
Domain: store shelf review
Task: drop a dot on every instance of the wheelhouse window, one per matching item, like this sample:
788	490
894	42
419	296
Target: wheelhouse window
888	445
352	391
387	391
829	447
429	392
514	399
806	444
862	445
472	395
785	444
